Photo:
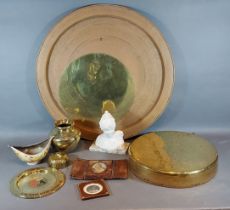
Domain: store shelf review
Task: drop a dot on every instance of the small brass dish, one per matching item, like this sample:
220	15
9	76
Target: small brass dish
66	136
37	182
33	154
173	159
58	160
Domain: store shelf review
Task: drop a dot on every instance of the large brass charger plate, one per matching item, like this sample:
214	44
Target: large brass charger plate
103	57
173	159
37	182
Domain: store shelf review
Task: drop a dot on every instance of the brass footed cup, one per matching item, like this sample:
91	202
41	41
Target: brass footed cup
66	136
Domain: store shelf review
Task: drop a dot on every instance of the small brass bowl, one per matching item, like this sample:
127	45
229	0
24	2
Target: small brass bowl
58	160
66	136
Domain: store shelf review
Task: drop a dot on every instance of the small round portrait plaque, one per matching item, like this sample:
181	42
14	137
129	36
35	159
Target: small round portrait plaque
93	188
99	167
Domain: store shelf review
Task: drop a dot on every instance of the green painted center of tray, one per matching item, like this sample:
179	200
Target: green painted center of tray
94	83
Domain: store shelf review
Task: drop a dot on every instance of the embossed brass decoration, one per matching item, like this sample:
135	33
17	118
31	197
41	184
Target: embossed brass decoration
37	182
108	105
94	82
58	160
173	159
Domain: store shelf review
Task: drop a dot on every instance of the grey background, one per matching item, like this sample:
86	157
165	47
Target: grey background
197	31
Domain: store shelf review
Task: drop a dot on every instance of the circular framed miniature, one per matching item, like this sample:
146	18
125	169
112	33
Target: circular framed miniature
105	57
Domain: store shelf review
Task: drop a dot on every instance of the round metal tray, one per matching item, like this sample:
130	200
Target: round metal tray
105	57
37	182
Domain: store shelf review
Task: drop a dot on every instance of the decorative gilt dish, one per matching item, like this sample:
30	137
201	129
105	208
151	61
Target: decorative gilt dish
105	57
37	182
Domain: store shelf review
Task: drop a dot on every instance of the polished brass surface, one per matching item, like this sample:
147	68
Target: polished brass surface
92	80
102	53
66	135
37	182
173	159
58	160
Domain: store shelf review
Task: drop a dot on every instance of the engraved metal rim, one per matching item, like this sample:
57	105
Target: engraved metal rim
182	174
167	62
19	193
194	179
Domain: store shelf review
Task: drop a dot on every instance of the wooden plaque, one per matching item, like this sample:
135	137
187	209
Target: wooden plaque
93	189
99	169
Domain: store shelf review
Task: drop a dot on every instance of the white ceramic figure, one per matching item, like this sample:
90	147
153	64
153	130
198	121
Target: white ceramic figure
109	141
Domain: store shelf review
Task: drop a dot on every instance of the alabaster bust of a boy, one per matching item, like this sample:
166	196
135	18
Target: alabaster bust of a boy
110	140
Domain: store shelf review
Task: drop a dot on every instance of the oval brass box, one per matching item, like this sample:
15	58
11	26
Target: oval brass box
173	159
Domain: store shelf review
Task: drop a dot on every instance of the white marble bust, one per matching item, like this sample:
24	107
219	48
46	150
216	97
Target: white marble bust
109	141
